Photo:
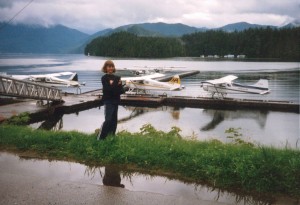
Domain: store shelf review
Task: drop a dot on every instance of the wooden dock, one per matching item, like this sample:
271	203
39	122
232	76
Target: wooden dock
75	103
204	102
232	104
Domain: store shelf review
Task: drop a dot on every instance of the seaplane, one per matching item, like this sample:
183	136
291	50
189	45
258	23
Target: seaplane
148	82
222	86
146	70
69	79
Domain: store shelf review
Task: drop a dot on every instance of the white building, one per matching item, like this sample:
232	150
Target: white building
229	56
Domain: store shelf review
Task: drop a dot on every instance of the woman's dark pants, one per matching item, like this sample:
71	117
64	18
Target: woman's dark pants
109	126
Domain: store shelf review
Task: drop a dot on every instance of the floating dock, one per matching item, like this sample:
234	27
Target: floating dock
75	103
204	102
232	104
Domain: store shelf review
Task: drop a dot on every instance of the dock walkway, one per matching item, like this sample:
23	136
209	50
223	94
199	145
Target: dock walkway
24	89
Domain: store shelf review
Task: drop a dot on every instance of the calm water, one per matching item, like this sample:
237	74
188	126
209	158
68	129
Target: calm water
283	76
261	127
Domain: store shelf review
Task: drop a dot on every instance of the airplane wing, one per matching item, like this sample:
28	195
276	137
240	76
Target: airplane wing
145	77
23	77
60	74
226	79
53	74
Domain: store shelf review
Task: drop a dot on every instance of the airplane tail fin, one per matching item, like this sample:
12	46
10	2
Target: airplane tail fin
175	80
262	83
74	77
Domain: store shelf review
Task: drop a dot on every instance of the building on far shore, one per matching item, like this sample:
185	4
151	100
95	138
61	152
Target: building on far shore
241	56
229	56
210	56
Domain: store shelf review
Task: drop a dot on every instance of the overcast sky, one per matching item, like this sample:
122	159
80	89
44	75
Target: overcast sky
90	16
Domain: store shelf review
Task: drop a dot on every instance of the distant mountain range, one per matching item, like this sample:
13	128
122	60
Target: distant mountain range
61	39
241	26
159	29
37	39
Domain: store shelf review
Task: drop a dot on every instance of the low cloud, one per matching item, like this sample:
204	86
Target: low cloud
94	15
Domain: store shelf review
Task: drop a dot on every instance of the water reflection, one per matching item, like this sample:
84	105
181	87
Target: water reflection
112	177
54	122
267	128
69	172
219	116
138	111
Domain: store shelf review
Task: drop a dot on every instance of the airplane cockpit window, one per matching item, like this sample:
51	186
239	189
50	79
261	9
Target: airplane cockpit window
40	79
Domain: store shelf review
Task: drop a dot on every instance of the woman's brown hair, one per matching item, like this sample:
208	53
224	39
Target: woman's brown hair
106	64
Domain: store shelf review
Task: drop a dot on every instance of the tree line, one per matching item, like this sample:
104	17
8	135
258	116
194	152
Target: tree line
253	43
124	44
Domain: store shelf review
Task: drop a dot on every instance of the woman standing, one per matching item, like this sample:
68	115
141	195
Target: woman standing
112	89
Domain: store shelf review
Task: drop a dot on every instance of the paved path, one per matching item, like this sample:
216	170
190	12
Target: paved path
23	183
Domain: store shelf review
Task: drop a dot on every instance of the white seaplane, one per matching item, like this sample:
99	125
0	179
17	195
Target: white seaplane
148	82
53	79
147	70
225	85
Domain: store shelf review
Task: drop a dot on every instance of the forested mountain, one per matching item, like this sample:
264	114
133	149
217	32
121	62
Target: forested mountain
37	39
254	43
80	47
153	29
22	38
124	44
241	26
175	30
163	29
146	29
61	39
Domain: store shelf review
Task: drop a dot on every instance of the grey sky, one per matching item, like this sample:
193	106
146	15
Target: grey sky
94	15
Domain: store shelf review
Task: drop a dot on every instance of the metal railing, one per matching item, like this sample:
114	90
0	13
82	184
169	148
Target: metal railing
24	89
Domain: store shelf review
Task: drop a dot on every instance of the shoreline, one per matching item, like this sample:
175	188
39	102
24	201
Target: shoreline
176	157
202	197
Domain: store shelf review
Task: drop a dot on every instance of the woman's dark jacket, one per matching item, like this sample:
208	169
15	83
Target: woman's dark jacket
111	93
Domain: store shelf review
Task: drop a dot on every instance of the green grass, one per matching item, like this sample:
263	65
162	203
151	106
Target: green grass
239	166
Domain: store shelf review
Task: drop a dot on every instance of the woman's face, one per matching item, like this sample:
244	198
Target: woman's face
110	69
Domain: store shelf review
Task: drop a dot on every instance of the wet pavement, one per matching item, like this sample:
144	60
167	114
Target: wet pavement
44	182
30	189
33	181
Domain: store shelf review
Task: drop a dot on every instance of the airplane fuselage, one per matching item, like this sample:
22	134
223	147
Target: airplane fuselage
50	80
152	85
53	81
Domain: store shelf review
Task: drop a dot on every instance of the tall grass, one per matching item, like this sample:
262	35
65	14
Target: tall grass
232	166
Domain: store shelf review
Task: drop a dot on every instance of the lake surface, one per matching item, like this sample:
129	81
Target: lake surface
262	127
283	76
